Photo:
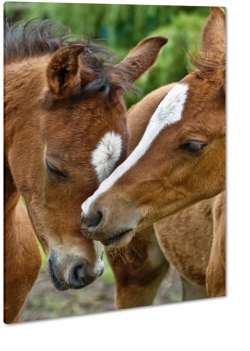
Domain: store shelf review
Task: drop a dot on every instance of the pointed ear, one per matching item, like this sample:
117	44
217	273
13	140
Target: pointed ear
64	71
141	58
214	34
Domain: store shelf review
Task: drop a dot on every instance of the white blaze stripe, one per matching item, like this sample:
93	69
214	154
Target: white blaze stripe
168	112
107	153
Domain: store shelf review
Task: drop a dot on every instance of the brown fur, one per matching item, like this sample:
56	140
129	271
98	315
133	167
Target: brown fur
139	269
22	261
216	269
185	238
137	122
59	102
176	177
169	182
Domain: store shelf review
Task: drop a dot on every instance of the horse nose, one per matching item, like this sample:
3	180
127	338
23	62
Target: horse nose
79	276
91	221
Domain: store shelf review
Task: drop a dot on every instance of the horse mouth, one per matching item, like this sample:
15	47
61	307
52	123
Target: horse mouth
58	282
116	238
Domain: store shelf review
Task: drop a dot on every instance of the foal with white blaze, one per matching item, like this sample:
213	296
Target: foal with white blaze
180	159
168	112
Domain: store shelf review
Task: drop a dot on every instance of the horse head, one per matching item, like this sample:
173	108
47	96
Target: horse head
65	132
180	159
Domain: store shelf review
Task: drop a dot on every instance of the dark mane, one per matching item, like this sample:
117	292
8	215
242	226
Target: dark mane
34	38
40	37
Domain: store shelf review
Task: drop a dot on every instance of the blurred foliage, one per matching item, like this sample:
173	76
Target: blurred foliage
121	27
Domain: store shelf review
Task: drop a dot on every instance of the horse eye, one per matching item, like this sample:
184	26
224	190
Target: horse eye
193	146
52	168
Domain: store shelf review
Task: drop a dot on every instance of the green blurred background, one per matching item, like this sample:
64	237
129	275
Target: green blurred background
120	28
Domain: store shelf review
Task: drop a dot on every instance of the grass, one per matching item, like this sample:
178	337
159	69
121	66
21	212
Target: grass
45	302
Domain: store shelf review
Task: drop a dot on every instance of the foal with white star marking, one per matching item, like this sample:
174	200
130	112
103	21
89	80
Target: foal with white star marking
65	131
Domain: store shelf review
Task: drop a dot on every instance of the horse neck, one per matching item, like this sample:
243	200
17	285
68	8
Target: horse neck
11	199
22	91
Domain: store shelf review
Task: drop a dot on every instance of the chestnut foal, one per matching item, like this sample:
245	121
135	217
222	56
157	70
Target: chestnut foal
179	162
65	132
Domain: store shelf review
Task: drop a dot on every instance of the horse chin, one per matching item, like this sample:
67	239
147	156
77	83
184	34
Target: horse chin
57	281
119	240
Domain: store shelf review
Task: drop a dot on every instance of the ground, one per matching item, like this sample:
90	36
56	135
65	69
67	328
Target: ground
45	302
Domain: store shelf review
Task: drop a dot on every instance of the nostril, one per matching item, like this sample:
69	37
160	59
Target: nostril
96	219
76	276
91	220
78	273
79	276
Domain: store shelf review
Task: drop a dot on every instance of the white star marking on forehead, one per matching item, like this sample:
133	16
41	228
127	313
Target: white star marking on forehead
169	111
107	153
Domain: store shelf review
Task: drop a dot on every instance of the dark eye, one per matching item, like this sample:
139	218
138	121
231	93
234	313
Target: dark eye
53	169
193	146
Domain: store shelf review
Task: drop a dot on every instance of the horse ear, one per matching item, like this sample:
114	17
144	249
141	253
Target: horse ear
214	31
64	71
141	58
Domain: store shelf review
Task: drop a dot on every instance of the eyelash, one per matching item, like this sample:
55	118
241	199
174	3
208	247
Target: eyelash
53	169
193	146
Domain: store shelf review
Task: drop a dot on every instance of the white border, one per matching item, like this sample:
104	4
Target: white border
218	324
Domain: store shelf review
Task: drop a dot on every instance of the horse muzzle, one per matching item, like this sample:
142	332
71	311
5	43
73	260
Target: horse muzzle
111	225
78	275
